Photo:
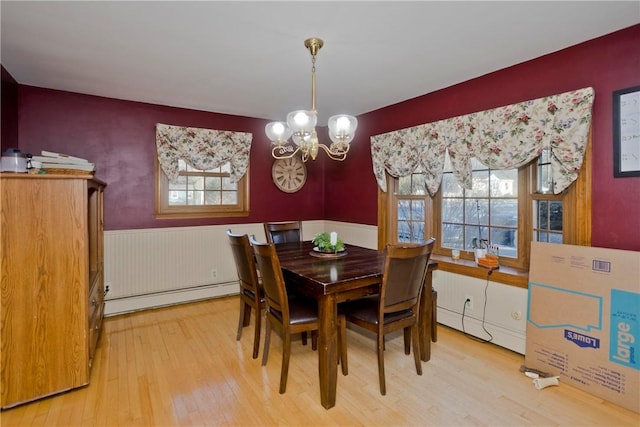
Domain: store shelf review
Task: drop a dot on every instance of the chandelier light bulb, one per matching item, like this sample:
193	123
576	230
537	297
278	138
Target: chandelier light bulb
342	123
301	119
278	132
302	122
278	128
342	128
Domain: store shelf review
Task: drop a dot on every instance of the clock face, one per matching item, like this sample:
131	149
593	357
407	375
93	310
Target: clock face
289	175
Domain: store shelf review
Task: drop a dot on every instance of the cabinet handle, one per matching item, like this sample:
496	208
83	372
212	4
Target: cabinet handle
94	302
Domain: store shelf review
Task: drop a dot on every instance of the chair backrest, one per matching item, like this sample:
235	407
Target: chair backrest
245	264
273	285
283	232
404	275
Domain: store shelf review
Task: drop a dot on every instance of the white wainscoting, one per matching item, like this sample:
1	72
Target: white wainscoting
154	267
504	314
150	268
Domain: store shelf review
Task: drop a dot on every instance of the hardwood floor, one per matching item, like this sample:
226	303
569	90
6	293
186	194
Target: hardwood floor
182	366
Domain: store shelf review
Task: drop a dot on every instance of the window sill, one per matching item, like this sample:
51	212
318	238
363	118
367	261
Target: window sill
507	275
190	215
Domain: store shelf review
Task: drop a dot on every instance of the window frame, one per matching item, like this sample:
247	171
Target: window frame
576	222
165	211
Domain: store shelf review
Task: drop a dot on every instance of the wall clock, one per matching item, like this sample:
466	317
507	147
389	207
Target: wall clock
289	175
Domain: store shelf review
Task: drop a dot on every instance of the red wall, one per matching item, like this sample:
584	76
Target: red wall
607	64
119	137
9	111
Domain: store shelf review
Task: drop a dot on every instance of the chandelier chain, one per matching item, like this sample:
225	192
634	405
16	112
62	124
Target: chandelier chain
313	82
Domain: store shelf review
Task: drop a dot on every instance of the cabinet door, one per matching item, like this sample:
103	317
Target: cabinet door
44	287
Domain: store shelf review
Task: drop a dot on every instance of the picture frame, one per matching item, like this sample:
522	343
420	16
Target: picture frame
626	132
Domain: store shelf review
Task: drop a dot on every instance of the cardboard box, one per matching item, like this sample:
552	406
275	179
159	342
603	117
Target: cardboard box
583	319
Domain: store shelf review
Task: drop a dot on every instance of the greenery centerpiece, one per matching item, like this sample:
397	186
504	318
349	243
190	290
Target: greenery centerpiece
328	242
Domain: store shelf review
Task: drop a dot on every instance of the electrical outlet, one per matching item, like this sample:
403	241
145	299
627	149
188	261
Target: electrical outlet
214	273
468	301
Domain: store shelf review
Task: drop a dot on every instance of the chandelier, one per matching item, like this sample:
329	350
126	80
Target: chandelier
301	126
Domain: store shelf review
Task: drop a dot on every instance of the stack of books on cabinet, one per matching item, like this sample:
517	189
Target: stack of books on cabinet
62	163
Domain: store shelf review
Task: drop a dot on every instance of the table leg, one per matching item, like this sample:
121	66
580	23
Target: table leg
327	350
426	315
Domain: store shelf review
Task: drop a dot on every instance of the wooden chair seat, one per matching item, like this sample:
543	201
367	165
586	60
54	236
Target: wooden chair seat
366	309
300	311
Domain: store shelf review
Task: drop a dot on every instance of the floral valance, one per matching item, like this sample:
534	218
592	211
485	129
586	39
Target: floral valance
501	138
202	149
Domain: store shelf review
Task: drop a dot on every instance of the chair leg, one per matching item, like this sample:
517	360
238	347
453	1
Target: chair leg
383	386
247	315
241	320
342	342
256	333
314	340
407	340
416	348
304	338
267	342
286	352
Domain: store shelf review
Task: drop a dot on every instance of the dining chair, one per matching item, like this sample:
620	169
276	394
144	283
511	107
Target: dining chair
250	287
283	232
287	315
397	304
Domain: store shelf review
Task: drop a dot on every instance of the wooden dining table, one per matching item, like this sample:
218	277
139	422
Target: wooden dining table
331	279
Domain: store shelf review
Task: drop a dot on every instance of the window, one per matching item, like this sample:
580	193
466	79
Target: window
411	209
201	193
508	208
486	214
547	207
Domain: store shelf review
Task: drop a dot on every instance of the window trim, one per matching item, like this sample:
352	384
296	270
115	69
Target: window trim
576	223
164	211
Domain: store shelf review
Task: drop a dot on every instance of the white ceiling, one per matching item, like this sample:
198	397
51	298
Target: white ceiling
248	58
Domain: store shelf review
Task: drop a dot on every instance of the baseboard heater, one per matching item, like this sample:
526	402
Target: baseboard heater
132	303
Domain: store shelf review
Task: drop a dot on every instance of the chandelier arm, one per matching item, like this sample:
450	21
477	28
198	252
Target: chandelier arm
277	152
340	148
334	155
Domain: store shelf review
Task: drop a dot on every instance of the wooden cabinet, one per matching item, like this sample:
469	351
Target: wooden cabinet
52	281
